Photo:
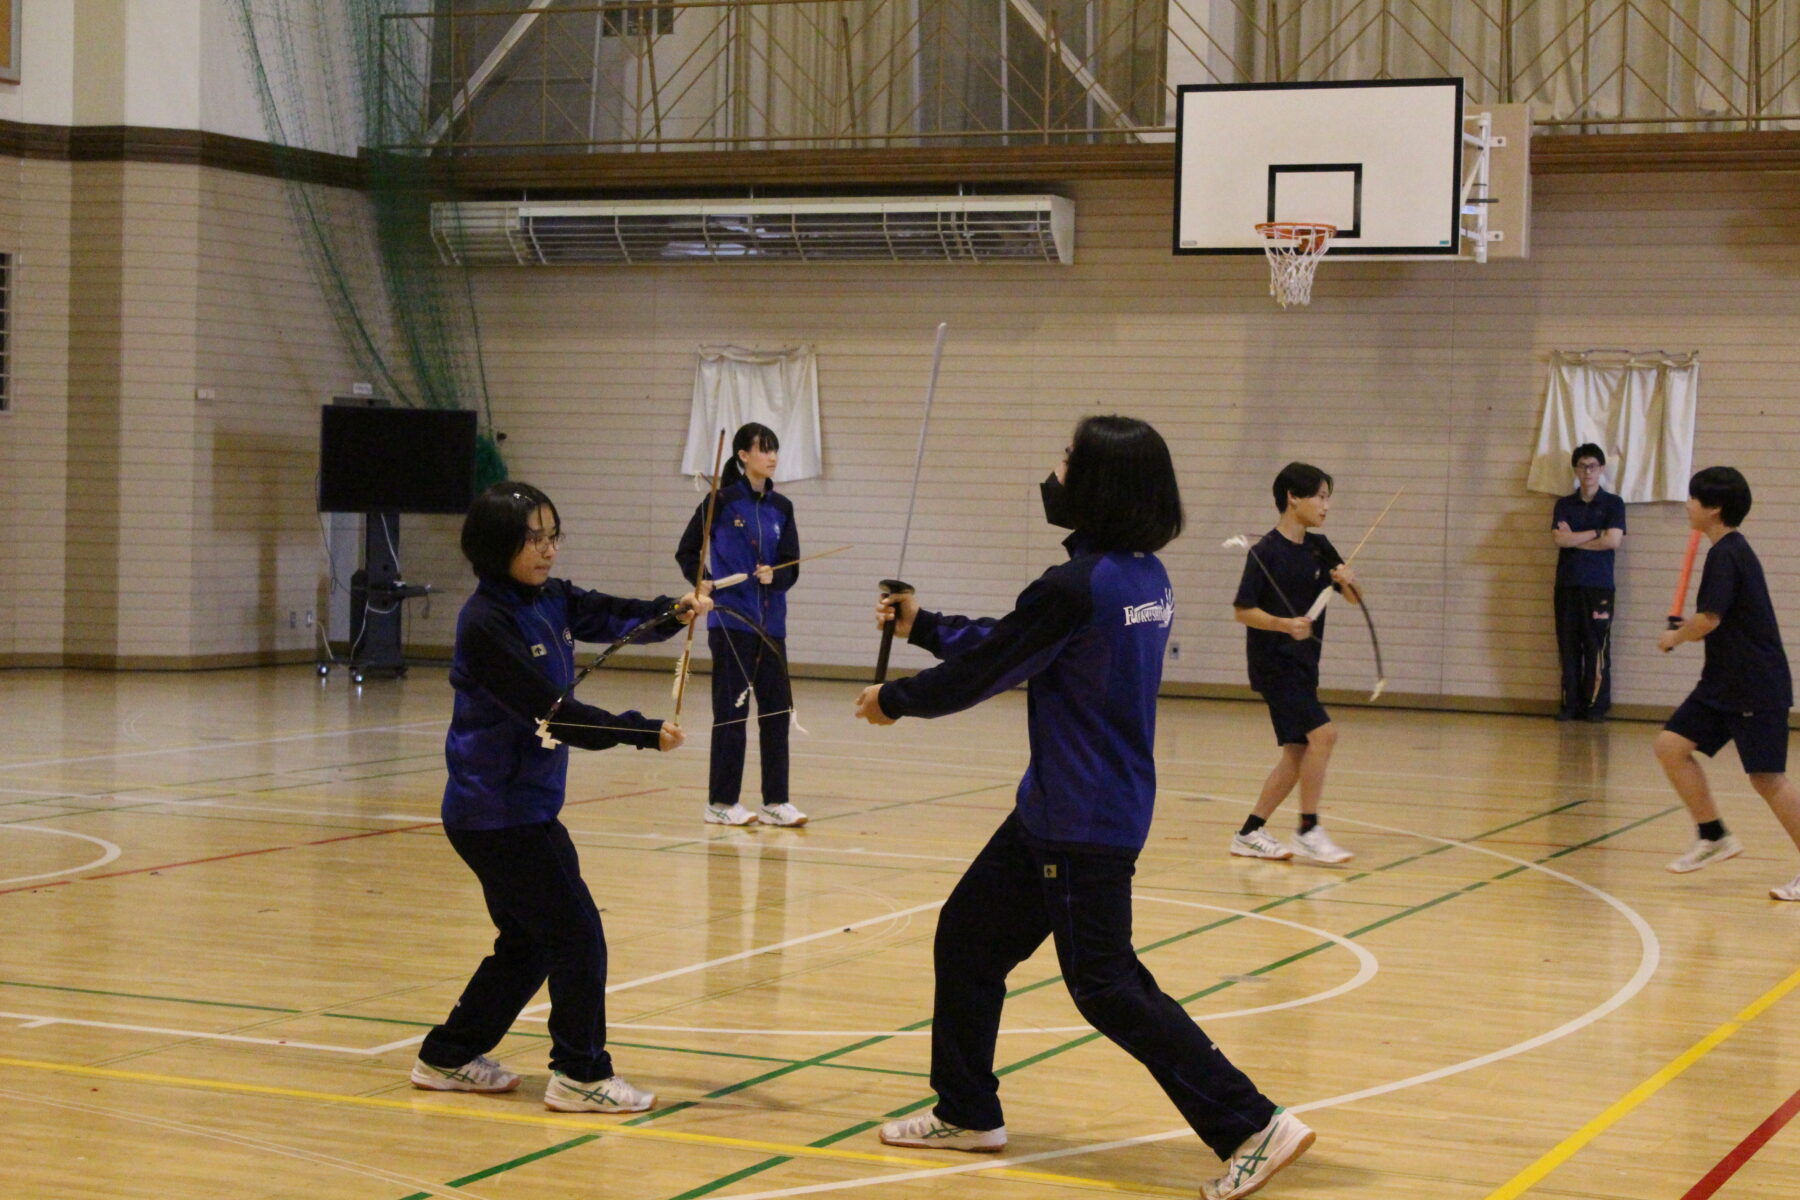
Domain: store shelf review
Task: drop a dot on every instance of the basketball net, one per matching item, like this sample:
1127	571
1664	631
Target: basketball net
1294	249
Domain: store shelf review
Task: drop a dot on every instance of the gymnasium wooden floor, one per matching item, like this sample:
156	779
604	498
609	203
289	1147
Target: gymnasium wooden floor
228	917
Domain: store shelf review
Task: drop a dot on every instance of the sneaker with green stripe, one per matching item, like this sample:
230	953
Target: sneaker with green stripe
928	1132
1279	1143
479	1074
612	1095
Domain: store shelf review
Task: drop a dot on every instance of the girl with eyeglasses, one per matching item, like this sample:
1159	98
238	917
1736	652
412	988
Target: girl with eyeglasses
514	664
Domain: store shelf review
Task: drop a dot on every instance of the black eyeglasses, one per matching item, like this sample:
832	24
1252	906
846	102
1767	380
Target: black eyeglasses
538	539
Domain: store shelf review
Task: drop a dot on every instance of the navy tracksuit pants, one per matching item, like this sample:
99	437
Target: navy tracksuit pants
1013	896
742	666
549	928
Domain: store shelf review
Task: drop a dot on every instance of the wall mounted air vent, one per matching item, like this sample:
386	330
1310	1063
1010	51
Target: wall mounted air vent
932	229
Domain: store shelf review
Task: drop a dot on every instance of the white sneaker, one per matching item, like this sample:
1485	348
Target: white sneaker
1281	1141
479	1074
1317	845
737	814
781	814
927	1132
1787	891
1704	853
1258	845
612	1095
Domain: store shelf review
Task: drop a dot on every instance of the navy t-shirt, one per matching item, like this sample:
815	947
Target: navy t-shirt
1576	567
1746	669
1301	571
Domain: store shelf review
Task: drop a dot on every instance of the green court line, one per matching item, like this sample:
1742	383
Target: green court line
51	987
659	1114
1051	1052
511	1164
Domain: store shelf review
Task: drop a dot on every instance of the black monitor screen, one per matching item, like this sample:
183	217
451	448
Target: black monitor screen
413	460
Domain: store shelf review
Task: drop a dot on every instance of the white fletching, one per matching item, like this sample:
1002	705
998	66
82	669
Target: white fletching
1380	686
1240	542
1318	605
729	581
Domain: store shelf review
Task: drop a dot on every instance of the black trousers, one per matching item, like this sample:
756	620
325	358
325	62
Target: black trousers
1584	617
1012	897
549	928
742	665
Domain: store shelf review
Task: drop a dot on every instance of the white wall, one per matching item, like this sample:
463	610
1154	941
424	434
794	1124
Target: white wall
44	94
163	64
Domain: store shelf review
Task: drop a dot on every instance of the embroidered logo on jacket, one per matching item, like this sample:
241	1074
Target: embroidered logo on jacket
538	650
1162	612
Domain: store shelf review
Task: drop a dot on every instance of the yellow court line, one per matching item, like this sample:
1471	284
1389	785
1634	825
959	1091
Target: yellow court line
584	1124
1530	1176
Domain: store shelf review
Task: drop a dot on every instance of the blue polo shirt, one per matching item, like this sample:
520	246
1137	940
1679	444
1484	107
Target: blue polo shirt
1576	567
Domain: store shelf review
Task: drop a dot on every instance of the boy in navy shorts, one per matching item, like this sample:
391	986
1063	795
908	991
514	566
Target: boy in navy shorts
1745	689
1284	573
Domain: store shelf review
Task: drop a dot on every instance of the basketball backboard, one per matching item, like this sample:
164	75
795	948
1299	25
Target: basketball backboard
1382	160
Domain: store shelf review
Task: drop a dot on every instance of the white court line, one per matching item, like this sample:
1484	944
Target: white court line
110	852
1367	966
38	1021
1648	960
275	808
392	1178
229	745
714	962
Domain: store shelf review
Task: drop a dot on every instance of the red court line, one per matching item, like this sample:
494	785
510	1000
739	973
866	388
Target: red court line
1744	1151
35	887
344	837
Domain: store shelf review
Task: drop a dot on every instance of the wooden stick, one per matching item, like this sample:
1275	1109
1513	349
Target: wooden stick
734	580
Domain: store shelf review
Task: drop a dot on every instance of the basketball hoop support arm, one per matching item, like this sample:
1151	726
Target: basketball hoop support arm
1476	194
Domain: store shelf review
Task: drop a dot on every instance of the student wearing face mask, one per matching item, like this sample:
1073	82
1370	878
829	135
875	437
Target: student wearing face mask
1089	635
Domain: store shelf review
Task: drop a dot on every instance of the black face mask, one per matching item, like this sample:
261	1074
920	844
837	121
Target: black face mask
1057	510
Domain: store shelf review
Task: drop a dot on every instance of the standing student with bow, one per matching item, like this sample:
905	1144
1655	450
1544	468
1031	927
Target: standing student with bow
508	758
753	528
1284	574
1089	635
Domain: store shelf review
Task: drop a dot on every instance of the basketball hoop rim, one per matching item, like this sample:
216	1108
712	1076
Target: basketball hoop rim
1296	231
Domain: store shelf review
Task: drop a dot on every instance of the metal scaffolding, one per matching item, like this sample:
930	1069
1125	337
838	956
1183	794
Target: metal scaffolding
536	76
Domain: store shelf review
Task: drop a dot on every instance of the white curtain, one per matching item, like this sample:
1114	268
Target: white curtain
777	388
1637	407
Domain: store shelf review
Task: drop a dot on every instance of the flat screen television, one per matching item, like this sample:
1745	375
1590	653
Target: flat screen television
409	460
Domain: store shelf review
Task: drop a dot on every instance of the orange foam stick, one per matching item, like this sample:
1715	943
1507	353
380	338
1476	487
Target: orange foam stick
1687	572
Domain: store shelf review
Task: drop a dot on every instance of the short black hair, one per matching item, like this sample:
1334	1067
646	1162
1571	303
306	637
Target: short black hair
494	531
1587	450
1725	489
749	434
1299	480
1121	485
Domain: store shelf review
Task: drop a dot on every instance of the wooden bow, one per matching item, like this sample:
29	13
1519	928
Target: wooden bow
687	645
